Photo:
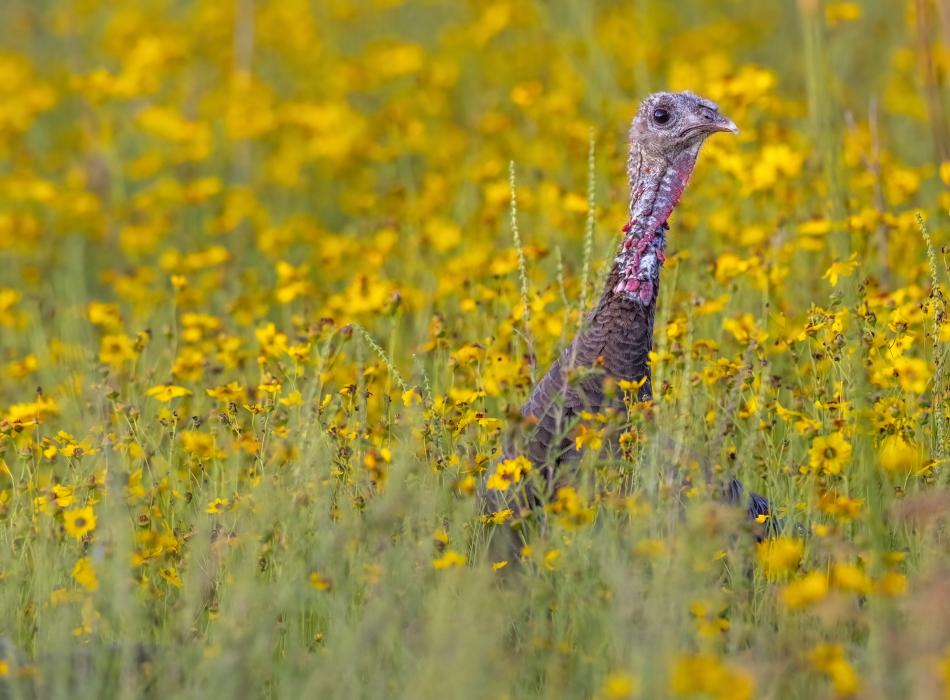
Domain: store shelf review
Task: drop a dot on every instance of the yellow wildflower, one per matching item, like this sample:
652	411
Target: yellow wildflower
780	556
450	559
232	392
85	575
899	456
745	329
320	582
508	472
830	660
63	495
892	584
849	577
117	350
570	510
79	522
840	268
167	392
218	505
705	674
587	437
839	12
170	575
618	686
830	454
810	589
294	398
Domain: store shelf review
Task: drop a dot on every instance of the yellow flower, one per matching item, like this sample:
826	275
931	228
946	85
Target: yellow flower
18	369
167	392
189	365
898	456
892	584
586	437
844	508
300	351
117	350
106	316
676	328
911	374
291	282
170	575
570	510
200	445
745	329
32	412
508	472
450	559
499	565
839	269
273	342
776	162
849	577
232	392
63	495
320	582
294	398
466	485
410	397
810	589
218	505
707	675
710	624
85	575
79	522
829	454
631	386
838	12
802	423
619	685
830	660
498	517
780	556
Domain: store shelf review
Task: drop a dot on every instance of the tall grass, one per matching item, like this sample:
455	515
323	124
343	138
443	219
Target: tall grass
270	302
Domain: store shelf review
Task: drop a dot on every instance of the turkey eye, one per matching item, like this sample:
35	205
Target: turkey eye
661	116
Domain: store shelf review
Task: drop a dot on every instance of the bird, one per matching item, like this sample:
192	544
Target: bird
616	337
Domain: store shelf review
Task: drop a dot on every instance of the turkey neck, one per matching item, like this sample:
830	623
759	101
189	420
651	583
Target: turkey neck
656	185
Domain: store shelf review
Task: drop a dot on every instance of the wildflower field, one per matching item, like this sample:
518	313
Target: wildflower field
276	278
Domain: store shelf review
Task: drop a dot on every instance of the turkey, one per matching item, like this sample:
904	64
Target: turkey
617	335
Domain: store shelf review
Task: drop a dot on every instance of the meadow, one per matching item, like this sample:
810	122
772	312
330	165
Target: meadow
276	277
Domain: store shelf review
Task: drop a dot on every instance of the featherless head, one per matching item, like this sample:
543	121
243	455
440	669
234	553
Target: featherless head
669	124
665	139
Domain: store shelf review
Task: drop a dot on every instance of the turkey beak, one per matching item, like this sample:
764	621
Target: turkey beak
714	122
724	124
708	121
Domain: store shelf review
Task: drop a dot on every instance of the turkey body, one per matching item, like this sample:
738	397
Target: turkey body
614	343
